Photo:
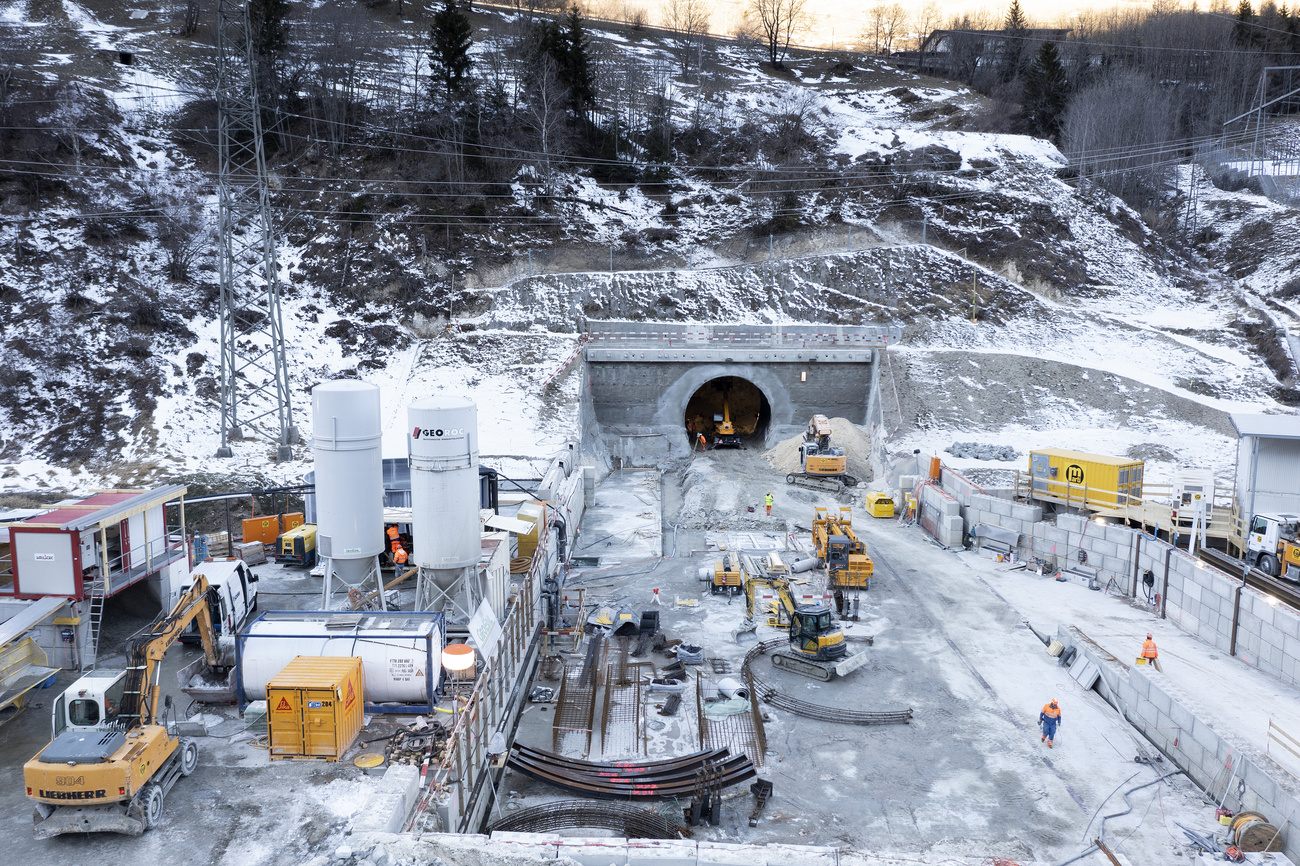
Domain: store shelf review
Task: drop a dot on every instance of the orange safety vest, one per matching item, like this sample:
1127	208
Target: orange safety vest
1052	712
400	556
1149	649
392	532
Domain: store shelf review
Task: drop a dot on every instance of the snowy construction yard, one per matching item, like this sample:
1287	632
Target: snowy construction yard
968	778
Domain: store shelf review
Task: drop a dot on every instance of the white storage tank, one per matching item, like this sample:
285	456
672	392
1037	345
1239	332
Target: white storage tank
400	652
346	438
443	451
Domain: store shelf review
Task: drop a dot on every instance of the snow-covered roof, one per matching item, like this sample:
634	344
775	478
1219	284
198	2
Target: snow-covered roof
1267	426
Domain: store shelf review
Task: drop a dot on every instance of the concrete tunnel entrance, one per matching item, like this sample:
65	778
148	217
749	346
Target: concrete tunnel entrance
749	409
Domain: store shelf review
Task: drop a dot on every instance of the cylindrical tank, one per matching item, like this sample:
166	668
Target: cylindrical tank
346	437
394	662
443	448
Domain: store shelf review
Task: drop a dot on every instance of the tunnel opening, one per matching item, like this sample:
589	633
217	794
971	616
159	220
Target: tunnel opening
729	411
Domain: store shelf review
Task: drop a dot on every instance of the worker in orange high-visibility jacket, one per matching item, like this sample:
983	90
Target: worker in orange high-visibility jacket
1150	653
1049	719
399	559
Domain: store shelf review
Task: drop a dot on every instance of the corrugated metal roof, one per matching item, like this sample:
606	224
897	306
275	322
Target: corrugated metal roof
107	508
1267	426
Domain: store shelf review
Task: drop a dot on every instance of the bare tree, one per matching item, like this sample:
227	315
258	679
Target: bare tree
544	115
885	22
190	14
926	19
688	21
778	21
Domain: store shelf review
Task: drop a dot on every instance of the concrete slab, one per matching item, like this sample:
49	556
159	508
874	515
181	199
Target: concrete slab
624	523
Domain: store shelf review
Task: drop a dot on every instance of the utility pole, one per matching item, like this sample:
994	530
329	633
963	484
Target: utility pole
254	375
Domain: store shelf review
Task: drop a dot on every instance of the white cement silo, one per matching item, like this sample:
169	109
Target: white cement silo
346	438
442	437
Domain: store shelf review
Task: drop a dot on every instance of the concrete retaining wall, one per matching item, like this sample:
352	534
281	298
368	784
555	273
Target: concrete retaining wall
1199	598
1171	720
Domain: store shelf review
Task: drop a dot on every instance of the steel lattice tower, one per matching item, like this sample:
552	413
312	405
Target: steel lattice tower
254	375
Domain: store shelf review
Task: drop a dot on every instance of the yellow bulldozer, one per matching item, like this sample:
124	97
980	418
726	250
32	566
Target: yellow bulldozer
821	465
112	760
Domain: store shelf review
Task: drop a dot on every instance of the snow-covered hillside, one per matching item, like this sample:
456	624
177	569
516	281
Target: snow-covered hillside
1035	310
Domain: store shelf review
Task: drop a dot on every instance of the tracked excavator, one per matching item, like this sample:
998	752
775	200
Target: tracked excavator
113	759
821	465
816	642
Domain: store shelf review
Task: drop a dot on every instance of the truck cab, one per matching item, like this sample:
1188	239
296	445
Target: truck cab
1272	540
232	597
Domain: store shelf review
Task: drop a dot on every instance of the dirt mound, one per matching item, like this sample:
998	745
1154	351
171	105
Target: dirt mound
855	441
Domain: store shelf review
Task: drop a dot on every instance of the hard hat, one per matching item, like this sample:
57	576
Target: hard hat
1053	701
1148	635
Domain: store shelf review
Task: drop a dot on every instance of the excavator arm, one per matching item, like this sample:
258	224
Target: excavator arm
145	652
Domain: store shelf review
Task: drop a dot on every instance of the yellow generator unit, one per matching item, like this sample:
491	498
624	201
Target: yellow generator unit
1084	480
314	707
297	546
728	578
880	505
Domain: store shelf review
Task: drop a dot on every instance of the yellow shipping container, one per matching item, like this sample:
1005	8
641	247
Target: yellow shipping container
1085	480
315	708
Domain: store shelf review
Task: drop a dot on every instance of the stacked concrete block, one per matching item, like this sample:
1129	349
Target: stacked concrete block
945	513
1175	725
958	486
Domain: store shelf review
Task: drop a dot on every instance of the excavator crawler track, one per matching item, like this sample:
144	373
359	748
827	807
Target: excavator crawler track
804	667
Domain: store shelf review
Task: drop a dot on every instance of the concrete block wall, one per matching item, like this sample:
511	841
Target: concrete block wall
1172	721
1200	599
994	510
944	513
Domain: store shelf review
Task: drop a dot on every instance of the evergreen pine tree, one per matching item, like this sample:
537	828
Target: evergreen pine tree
1046	92
1016	20
1013	51
1243	33
576	72
266	20
451	35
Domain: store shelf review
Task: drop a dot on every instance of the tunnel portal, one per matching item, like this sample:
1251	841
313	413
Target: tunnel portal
728	396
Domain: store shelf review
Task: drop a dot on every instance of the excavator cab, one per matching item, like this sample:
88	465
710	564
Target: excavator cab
814	635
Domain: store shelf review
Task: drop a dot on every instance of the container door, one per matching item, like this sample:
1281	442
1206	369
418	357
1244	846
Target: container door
1038	470
285	722
319	733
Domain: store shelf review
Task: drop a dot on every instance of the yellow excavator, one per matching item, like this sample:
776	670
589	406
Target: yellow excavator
821	465
816	641
113	760
724	432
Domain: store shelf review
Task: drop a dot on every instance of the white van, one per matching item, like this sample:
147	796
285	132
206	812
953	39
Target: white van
232	596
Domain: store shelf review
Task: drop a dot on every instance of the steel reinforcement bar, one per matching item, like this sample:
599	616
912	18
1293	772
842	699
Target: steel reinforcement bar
769	694
628	821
